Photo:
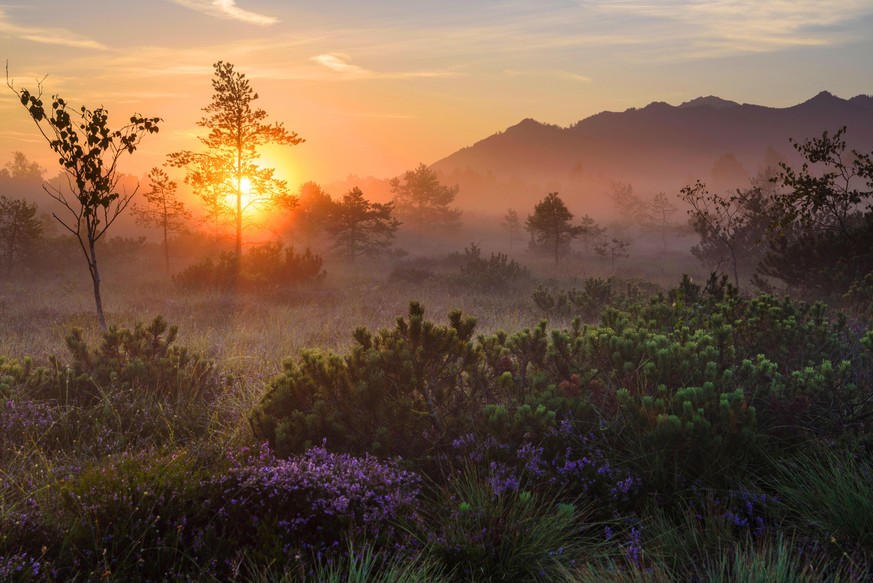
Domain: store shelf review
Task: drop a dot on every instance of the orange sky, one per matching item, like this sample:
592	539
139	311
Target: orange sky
377	87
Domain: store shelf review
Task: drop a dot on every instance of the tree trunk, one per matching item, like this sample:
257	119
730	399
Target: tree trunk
166	249
95	279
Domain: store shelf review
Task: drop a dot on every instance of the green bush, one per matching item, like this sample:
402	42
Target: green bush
684	385
398	392
143	359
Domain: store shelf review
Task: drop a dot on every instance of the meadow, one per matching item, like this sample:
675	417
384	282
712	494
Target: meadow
440	417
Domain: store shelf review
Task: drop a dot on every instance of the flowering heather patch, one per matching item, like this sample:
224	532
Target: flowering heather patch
23	567
315	502
742	511
154	516
564	458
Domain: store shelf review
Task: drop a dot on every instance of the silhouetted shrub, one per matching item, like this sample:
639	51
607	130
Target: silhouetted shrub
263	267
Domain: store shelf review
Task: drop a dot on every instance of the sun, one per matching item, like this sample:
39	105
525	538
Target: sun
248	195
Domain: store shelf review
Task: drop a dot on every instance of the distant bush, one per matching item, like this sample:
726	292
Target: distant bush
263	267
589	302
497	274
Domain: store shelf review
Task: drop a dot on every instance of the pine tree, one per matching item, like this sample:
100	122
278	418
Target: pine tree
162	209
423	202
227	168
20	229
361	227
512	224
550	225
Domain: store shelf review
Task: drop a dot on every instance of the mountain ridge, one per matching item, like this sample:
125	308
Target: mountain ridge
658	147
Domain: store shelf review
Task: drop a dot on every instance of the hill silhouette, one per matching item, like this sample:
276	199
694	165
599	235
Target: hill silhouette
659	147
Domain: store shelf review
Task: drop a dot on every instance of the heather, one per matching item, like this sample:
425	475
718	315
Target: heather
683	431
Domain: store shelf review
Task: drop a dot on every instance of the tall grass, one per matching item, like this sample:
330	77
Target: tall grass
829	491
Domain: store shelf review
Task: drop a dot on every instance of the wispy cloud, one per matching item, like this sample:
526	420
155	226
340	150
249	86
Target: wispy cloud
229	10
47	35
340	64
700	29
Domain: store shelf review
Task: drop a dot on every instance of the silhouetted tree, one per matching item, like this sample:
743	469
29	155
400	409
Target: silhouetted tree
20	229
312	213
227	168
22	168
824	217
162	209
88	152
728	173
592	231
658	216
630	209
614	249
550	225
422	201
828	197
719	221
512	224
361	227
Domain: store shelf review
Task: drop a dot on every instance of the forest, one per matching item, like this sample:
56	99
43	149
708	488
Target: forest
262	383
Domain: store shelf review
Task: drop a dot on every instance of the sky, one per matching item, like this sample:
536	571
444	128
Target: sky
377	87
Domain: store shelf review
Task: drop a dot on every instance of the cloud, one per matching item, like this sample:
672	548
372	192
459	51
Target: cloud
699	29
227	9
45	35
340	64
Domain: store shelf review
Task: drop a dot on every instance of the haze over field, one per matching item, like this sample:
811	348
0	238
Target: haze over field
376	88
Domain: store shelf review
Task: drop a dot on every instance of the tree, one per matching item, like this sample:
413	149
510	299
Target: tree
423	202
312	213
592	231
512	224
88	152
824	218
22	168
613	249
226	171
630	209
731	226
550	225
828	197
162	209
361	227
20	228
659	212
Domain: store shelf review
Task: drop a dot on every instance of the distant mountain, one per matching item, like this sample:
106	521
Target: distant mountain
659	147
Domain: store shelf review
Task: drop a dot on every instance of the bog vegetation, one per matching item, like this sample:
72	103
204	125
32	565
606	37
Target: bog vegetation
357	398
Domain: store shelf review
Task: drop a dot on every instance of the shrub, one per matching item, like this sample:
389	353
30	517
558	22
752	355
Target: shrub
310	506
497	274
144	359
263	267
398	392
